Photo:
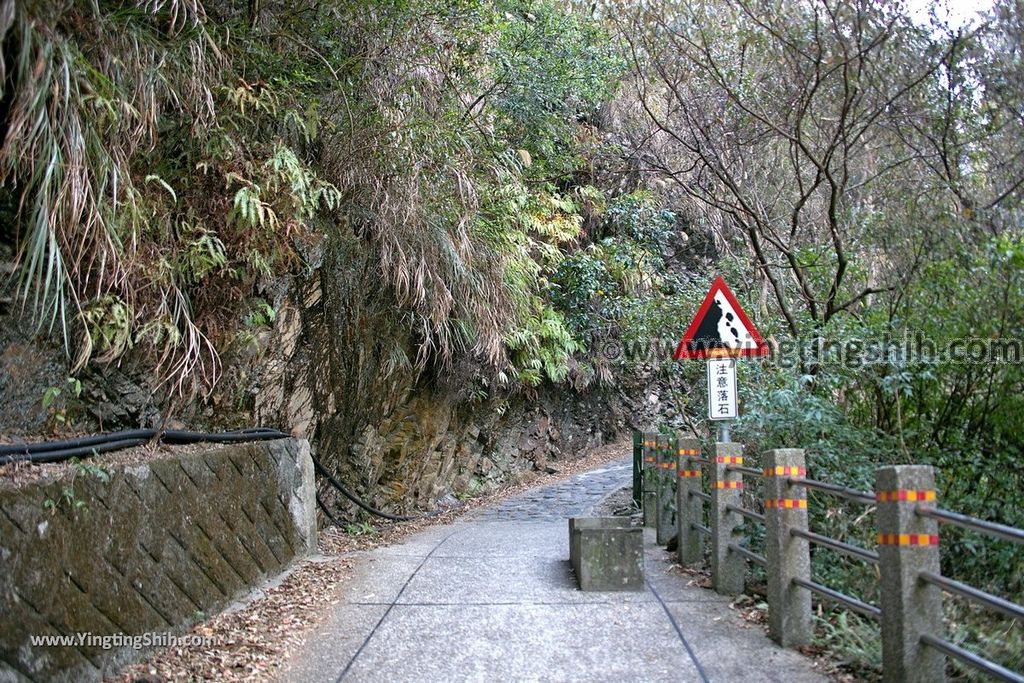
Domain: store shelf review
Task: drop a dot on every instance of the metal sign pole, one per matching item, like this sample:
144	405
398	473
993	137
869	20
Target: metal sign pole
723	431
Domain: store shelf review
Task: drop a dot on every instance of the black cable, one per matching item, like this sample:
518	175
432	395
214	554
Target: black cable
54	451
174	437
68	453
327	512
679	632
29	448
100	443
321	470
351	496
355	499
86	446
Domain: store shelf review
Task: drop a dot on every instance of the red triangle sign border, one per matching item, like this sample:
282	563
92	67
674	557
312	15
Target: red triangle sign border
683	351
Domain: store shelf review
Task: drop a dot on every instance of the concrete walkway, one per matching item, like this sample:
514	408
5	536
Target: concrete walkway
492	598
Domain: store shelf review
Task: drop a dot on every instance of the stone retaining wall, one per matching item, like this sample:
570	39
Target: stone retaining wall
142	549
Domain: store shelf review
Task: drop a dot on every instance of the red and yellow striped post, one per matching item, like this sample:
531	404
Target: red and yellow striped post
689	508
788	556
908	544
728	568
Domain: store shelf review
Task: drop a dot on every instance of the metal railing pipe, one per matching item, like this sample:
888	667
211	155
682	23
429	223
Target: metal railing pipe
840	546
841	491
842	598
749	514
750	555
971	659
994	602
1001	531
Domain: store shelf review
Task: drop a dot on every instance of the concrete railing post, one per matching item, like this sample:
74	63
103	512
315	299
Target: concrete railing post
690	543
907	545
650	479
728	568
789	557
666	527
638	468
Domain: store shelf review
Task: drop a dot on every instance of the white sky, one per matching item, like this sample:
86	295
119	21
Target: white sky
956	12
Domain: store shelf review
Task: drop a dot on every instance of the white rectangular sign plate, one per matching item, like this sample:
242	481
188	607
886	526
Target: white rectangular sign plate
722	389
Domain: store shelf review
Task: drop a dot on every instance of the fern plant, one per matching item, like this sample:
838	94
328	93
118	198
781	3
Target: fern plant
542	347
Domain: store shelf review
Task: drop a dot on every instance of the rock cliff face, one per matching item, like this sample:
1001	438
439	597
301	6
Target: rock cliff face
335	368
339	372
28	364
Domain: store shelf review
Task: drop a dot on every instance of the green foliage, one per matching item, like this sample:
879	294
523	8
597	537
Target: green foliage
193	155
871	195
924	406
66	500
108	322
611	280
261	313
95	471
548	69
855	640
50	395
914	401
973	627
248	210
360	529
202	254
970	297
579	285
542	347
74	128
60	401
637	216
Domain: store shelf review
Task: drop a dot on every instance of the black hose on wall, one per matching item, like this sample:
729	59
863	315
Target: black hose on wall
345	492
57	451
83	447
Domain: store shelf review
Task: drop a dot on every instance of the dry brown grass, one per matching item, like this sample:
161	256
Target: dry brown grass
75	129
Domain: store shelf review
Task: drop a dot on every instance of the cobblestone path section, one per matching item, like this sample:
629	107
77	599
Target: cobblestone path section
574	497
492	598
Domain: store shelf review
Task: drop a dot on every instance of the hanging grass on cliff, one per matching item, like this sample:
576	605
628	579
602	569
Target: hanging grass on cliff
168	160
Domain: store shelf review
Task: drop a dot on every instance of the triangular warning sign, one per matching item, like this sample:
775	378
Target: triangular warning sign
720	329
